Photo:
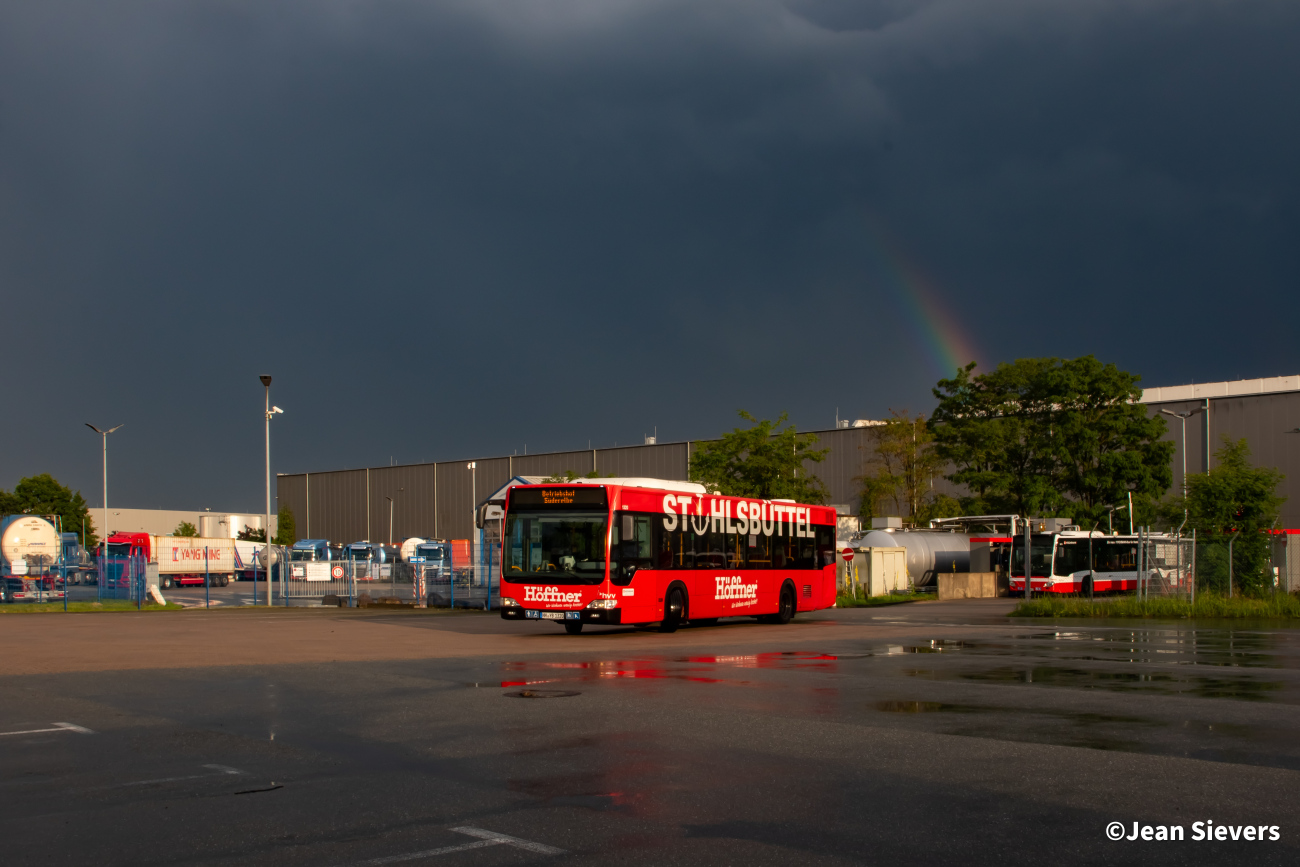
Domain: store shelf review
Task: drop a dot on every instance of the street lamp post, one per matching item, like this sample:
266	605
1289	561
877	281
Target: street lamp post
1183	417
104	434
390	518
270	411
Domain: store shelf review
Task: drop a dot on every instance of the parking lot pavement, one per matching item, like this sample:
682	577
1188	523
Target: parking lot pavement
934	734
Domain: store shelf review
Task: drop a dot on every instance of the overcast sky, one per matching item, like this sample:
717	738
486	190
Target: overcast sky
453	229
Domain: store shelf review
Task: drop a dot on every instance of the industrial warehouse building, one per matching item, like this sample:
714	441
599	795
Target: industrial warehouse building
438	500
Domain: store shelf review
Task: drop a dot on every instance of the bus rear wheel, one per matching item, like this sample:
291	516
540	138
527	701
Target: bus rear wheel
573	627
785	610
674	608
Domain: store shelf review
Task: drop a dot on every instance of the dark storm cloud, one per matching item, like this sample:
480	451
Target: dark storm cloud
451	229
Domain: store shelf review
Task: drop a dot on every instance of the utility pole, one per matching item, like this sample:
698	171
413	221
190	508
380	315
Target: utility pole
1028	551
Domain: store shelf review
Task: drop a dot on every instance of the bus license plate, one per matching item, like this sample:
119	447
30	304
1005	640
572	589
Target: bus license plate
550	615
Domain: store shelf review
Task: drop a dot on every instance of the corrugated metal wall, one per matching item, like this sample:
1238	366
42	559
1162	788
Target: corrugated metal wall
1263	420
348	505
667	461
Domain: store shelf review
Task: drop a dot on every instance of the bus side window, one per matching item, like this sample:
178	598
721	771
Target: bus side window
825	545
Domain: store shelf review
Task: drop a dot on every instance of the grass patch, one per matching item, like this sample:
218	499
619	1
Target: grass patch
844	600
83	607
1284	606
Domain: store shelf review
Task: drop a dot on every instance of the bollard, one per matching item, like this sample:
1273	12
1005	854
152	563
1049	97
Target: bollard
207	580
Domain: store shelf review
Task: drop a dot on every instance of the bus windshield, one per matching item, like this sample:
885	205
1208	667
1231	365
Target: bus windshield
1041	553
555	546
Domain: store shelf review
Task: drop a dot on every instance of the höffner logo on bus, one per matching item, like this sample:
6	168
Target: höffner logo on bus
752	516
734	587
551	594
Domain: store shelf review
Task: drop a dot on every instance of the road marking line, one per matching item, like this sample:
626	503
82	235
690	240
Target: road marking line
540	848
58	727
222	771
73	727
487	838
430	853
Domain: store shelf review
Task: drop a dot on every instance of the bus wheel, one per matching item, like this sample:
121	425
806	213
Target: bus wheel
573	627
674	607
166	582
786	612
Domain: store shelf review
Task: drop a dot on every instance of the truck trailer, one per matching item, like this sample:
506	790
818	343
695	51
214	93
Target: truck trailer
182	560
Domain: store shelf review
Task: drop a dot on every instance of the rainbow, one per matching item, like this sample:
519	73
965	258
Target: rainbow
938	332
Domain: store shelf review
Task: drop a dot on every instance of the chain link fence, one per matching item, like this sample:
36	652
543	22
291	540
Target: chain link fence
469	581
1181	567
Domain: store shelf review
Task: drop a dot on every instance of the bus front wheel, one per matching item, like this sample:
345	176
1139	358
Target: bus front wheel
674	608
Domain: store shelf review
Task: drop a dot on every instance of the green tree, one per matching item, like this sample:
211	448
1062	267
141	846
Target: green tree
765	461
43	495
902	466
1233	500
1046	434
185	528
286	531
248	534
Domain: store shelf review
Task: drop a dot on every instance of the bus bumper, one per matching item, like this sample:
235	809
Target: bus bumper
612	616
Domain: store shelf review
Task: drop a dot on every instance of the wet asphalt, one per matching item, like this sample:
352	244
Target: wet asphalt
971	739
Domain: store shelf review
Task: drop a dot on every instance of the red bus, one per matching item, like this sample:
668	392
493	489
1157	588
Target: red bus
646	551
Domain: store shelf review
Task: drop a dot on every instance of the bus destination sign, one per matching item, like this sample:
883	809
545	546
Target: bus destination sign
559	497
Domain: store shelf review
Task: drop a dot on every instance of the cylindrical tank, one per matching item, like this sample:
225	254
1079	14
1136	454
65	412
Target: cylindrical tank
408	548
214	526
928	552
28	543
277	554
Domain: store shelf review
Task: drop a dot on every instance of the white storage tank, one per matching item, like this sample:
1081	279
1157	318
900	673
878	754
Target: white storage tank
215	526
408	548
28	545
928	552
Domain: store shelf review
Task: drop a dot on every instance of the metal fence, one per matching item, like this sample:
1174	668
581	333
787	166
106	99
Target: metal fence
122	578
1184	566
1166	567
351	583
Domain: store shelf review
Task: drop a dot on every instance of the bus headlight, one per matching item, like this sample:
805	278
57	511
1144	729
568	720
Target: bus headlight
507	602
602	604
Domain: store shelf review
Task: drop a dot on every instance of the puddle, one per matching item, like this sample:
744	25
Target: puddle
1208	647
693	669
1242	689
937	645
910	706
